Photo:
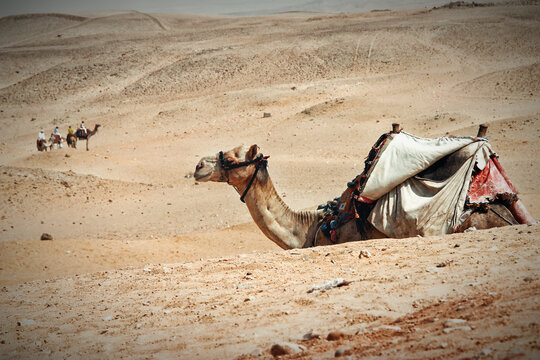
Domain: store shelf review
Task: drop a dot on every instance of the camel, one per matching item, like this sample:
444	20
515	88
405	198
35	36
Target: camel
80	136
57	140
246	171
42	145
71	140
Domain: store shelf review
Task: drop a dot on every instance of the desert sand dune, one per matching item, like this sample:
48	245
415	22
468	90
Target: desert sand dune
146	262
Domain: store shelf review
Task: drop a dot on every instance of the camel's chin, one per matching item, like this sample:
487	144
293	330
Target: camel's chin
202	177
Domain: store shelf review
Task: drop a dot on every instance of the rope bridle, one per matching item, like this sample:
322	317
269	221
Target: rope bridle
259	161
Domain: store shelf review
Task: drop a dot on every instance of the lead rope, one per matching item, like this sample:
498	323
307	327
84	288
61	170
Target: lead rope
260	160
260	163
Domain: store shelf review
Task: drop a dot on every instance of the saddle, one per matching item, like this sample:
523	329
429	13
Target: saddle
81	134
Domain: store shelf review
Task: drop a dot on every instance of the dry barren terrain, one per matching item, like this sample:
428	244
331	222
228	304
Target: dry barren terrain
147	263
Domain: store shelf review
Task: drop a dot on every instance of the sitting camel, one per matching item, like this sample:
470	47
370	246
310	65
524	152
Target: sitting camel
245	169
80	135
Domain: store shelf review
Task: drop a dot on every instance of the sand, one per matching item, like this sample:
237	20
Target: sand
147	263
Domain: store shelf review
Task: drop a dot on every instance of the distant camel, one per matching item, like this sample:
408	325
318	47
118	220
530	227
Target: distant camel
245	169
57	140
82	136
71	140
42	145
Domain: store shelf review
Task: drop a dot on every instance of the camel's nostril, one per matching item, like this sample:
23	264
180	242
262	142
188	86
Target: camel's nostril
199	165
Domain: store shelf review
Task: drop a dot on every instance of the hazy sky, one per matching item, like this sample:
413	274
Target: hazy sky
14	7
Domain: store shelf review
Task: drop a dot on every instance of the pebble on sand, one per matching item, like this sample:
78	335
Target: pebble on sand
286	348
335	335
464	328
311	335
46	236
364	253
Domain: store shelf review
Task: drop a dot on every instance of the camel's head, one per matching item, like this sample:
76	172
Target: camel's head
221	167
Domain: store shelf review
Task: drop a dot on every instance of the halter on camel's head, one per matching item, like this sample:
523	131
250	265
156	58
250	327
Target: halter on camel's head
226	165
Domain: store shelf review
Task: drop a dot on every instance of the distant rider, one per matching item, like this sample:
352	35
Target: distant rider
57	137
83	128
40	139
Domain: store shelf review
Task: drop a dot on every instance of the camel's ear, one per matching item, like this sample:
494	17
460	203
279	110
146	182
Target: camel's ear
252	152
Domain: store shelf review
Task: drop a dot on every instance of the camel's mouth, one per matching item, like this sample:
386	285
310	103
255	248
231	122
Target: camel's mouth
202	176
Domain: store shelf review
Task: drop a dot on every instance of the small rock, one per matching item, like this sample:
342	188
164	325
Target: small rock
342	351
485	352
310	335
339	282
444	263
107	318
46	236
266	115
138	325
452	322
456	245
464	328
168	311
387	327
286	348
335	335
443	345
364	253
528	279
472	228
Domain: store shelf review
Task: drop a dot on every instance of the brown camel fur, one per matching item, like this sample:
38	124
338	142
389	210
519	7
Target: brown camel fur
296	229
71	140
44	145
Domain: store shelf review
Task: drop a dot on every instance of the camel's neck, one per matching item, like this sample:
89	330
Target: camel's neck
91	133
287	228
